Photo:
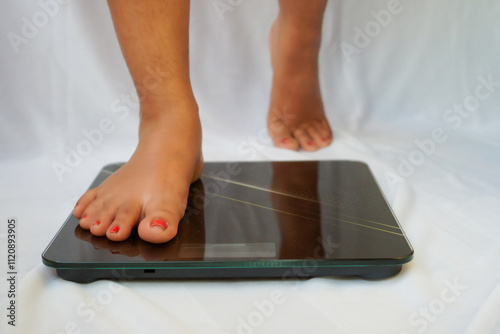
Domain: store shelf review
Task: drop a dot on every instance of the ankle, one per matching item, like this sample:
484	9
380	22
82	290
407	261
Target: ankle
161	113
159	108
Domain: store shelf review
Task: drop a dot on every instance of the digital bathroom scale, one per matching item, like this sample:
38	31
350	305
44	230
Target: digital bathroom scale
250	220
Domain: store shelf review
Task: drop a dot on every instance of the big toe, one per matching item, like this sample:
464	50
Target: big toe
281	134
159	228
161	222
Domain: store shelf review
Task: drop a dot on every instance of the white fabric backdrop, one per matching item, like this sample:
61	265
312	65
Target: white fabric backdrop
389	96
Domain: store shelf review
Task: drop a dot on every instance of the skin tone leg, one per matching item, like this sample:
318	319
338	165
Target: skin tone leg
296	117
151	189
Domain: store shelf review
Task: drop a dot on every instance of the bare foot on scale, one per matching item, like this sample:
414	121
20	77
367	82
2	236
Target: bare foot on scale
150	191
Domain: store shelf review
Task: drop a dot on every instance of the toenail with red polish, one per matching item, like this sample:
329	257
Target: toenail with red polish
96	222
284	140
114	229
309	143
84	216
159	222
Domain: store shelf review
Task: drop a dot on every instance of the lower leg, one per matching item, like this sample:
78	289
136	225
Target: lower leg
151	189
305	16
296	116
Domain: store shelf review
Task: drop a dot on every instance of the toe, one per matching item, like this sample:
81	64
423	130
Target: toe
162	216
159	228
320	134
83	202
161	221
117	233
305	140
281	134
85	222
125	218
103	219
313	132
325	132
90	215
287	142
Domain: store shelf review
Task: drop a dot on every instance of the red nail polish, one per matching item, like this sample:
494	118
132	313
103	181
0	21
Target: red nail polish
114	229
84	216
284	140
159	222
96	222
309	143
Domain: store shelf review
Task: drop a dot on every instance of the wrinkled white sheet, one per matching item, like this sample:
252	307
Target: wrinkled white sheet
393	95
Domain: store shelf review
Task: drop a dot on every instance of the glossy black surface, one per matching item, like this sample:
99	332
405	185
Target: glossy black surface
258	214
